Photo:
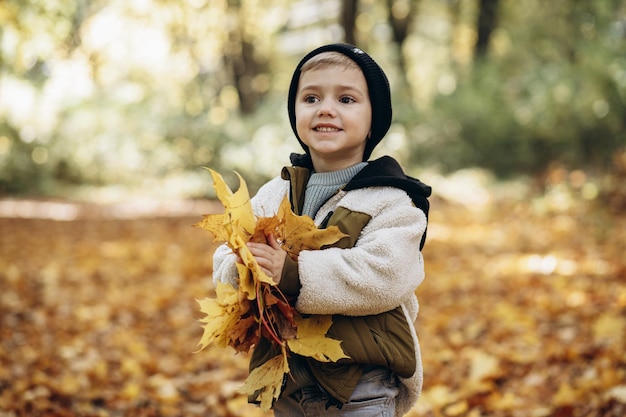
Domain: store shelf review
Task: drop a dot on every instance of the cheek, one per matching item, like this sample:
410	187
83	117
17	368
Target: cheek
301	129
302	119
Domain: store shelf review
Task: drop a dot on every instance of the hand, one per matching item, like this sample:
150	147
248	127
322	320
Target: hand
270	257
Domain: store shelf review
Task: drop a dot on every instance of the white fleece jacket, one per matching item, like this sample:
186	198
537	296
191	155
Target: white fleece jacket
382	270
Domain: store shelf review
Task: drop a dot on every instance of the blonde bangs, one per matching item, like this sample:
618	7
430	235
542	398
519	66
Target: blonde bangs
329	59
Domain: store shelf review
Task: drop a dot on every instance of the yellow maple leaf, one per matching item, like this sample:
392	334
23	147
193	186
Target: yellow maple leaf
250	261
229	320
222	313
237	204
266	381
246	281
235	226
214	223
237	218
311	339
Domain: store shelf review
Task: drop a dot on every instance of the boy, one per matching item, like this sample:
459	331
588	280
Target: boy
340	108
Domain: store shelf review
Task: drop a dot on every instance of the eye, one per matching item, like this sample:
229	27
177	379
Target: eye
346	100
310	99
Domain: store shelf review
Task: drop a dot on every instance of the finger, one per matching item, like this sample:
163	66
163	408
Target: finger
263	262
271	240
259	250
265	269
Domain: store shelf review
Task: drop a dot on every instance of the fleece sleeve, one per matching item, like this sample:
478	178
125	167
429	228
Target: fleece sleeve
380	272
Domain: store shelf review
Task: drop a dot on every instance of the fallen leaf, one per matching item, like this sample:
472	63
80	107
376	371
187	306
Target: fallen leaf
610	328
617	393
482	365
100	305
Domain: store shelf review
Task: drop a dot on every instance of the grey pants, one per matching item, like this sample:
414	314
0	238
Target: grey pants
374	396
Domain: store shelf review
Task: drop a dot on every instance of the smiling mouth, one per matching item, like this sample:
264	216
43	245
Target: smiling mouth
326	129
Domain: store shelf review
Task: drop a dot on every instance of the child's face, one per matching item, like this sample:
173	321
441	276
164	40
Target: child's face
333	116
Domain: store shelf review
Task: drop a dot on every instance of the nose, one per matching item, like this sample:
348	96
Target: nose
326	108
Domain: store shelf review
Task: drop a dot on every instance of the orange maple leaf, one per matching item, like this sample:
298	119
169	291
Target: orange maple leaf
296	233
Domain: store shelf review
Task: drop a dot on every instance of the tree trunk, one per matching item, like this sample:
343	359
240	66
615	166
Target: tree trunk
487	17
245	68
400	19
348	20
243	63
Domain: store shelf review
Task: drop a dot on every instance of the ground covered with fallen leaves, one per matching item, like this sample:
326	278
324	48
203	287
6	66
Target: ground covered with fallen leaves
523	313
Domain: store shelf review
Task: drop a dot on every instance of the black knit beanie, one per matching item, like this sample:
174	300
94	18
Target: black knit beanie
377	85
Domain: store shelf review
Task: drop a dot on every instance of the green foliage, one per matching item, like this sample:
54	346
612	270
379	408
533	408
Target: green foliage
120	92
145	93
554	94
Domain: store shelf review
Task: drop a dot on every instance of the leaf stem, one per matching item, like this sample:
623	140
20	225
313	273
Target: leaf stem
264	322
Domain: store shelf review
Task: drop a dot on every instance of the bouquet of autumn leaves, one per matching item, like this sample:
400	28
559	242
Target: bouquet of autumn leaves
239	317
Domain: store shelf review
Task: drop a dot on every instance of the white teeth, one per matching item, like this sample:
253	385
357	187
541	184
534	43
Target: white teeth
326	129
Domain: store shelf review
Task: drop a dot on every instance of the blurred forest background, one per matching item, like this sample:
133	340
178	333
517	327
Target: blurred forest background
515	112
142	93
